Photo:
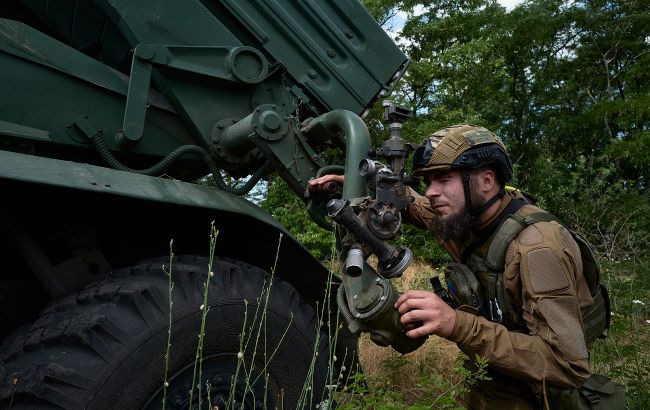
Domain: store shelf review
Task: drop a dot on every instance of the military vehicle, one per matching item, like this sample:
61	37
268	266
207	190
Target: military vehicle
112	113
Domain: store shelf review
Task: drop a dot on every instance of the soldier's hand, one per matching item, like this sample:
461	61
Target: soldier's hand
424	313
324	183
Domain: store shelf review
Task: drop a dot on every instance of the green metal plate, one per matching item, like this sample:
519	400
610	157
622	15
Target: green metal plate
28	168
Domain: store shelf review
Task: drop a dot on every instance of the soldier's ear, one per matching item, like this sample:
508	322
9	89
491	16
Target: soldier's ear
488	179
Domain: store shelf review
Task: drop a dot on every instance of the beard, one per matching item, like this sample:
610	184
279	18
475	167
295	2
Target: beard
456	226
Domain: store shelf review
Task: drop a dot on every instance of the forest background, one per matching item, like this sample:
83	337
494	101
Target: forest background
566	85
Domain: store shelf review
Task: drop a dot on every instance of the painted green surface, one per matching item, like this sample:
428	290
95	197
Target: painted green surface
152	76
67	174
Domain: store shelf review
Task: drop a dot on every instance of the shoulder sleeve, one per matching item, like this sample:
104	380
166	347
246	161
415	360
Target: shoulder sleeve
420	213
540	277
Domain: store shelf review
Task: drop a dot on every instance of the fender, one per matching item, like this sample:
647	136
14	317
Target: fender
131	216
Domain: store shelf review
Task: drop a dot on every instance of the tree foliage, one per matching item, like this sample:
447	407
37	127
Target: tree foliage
565	84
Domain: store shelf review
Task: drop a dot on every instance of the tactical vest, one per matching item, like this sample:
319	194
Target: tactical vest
494	303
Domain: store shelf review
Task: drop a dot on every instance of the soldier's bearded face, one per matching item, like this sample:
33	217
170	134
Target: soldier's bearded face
447	197
445	193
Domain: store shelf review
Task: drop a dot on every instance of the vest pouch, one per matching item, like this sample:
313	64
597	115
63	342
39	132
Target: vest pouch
590	266
597	316
463	286
598	393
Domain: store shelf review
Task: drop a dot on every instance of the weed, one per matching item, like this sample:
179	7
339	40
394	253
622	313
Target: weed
404	384
624	354
170	287
198	361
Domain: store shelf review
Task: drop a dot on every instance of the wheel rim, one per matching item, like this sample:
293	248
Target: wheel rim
249	391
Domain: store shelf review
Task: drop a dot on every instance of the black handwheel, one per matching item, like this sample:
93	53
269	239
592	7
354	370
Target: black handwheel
104	347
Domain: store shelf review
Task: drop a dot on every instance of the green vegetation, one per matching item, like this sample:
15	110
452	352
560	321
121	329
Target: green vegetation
624	355
567	87
429	389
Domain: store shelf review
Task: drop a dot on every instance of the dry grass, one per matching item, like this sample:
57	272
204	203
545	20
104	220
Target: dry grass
437	355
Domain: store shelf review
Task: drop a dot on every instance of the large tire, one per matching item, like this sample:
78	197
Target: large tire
104	348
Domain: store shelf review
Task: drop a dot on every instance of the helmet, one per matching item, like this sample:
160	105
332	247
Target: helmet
462	147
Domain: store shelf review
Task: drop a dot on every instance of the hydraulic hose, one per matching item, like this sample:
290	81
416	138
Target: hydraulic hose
160	167
357	142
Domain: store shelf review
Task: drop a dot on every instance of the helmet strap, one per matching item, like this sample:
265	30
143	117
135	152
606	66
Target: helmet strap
477	211
468	194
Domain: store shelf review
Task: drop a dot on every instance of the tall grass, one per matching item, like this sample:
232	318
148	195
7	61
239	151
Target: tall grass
433	375
254	325
198	360
625	354
170	288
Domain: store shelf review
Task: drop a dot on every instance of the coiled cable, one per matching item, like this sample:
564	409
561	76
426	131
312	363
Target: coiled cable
160	167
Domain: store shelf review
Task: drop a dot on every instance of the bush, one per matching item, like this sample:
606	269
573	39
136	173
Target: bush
288	208
590	197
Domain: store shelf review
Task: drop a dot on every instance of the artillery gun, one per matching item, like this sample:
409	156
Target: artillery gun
110	112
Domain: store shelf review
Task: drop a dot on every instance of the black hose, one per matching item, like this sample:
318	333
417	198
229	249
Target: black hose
160	167
244	189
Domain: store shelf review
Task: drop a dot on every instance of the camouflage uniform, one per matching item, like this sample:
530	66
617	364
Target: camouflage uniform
543	278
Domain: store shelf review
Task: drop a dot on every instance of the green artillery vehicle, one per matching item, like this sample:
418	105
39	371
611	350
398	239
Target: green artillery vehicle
112	113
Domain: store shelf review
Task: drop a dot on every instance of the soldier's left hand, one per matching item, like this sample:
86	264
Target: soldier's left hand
424	313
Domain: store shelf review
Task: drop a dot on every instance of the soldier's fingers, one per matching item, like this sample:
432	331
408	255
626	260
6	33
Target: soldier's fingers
409	304
420	331
325	179
412	295
416	315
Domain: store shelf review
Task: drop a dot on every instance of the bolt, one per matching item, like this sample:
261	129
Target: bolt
355	297
145	52
270	121
312	73
107	185
349	33
331	52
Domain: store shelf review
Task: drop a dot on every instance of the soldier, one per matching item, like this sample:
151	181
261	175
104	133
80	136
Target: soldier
523	308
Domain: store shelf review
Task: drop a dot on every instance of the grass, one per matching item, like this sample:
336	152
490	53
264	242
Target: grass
433	375
406	381
254	325
430	377
625	354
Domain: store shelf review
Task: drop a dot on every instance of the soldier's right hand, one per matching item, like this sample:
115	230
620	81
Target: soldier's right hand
424	313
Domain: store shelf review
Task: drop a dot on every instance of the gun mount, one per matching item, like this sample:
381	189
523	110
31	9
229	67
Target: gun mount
366	224
113	112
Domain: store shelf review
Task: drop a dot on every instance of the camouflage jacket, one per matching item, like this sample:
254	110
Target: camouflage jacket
543	277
